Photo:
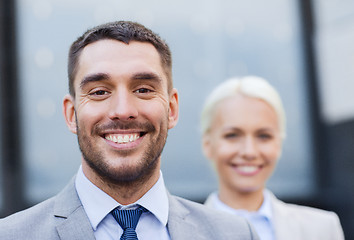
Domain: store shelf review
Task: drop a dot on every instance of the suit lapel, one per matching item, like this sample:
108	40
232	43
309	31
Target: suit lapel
284	227
179	225
72	221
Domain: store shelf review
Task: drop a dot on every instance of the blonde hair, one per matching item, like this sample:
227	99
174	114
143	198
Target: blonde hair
251	86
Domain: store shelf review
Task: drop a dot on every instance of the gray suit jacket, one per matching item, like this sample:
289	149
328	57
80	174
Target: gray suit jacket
63	218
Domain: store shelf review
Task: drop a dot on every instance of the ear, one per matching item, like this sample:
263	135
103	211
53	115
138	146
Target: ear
69	112
206	145
173	109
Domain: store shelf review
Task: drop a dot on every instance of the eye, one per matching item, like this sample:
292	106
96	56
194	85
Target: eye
231	135
265	136
99	93
143	90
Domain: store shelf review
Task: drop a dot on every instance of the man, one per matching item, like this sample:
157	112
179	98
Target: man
121	105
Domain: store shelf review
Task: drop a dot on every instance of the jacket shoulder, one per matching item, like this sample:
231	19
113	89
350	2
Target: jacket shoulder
308	221
32	223
308	213
229	226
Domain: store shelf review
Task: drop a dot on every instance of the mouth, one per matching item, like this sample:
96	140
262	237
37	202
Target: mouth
247	170
123	138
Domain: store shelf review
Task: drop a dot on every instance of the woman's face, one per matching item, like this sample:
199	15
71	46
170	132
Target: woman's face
244	143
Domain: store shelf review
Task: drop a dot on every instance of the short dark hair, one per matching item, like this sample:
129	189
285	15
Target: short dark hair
124	31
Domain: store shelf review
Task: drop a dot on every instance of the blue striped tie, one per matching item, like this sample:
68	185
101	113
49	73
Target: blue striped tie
128	219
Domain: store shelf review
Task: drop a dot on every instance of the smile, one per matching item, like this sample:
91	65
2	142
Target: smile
122	138
247	170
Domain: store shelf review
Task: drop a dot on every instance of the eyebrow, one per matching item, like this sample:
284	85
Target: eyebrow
265	129
93	78
97	77
230	128
147	76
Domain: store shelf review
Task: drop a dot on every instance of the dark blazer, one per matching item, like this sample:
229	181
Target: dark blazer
63	218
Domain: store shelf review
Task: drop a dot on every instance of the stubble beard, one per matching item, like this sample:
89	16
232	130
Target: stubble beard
124	176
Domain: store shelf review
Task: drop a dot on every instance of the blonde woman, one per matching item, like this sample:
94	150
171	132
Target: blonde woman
243	125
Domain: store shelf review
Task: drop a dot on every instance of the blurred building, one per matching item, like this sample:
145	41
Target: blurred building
304	48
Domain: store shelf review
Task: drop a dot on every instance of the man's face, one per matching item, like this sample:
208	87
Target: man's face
122	110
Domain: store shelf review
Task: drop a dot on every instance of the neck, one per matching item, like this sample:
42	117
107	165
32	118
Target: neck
124	193
247	200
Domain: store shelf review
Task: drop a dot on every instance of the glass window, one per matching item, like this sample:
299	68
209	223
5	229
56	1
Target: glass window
334	40
1	167
1	137
211	40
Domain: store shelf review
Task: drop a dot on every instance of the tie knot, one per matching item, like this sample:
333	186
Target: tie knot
128	218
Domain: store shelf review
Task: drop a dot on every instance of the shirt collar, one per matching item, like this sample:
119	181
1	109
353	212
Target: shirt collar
98	204
265	210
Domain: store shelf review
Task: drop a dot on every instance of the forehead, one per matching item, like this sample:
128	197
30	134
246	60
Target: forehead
243	110
119	59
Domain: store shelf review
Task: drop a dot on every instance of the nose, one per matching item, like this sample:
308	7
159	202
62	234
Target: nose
122	106
249	150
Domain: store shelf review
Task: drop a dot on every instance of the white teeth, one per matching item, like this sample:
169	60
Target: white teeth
248	169
122	138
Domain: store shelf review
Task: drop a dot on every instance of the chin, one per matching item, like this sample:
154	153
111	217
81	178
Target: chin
249	189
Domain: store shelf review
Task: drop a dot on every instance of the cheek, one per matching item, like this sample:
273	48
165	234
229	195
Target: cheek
89	107
272	152
89	115
157	111
223	152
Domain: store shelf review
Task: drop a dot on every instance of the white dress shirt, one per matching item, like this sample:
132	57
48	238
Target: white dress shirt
98	205
261	220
